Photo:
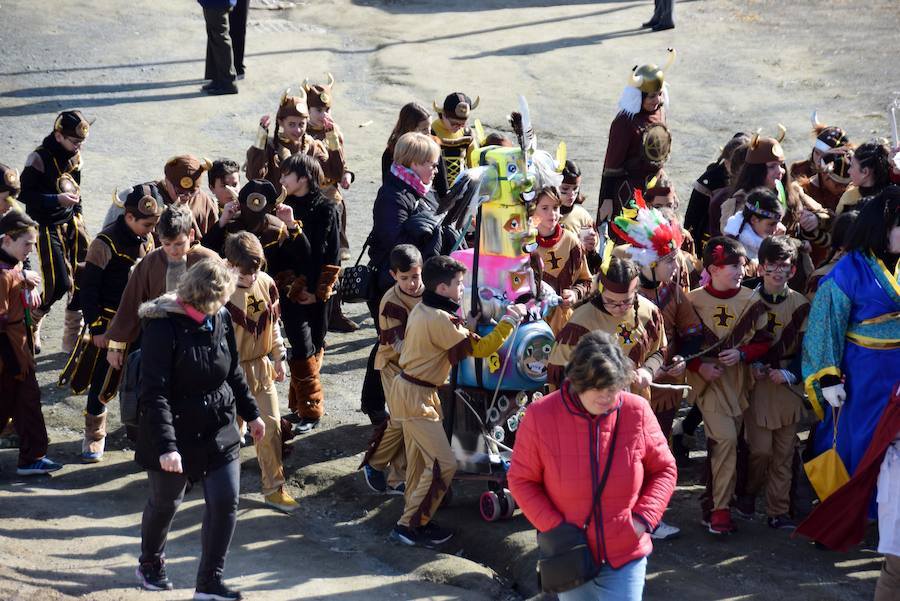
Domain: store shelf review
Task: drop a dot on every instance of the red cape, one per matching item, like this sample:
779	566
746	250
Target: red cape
839	522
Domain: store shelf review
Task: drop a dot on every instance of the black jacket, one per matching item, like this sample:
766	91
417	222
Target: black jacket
191	387
395	204
39	182
321	220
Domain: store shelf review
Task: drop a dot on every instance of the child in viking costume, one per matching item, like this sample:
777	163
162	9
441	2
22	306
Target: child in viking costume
564	267
21	398
436	339
180	185
573	216
254	309
110	258
51	194
828	138
731	320
322	127
259	210
776	405
639	139
156	274
307	286
224	179
265	157
457	140
870	172
386	447
618	309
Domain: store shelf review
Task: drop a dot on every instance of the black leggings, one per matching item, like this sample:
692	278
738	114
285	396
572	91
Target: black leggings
220	490
372	400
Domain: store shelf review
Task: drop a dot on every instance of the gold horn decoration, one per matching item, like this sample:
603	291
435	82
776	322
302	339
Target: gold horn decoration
814	119
671	60
636	80
754	140
782	132
330	80
281	196
306	85
284	96
205	164
301	94
436	107
475	104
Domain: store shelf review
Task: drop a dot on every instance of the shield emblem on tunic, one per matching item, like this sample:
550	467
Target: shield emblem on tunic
657	143
66	184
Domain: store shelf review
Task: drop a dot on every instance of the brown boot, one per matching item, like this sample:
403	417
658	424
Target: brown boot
71	330
37	316
94	438
337	321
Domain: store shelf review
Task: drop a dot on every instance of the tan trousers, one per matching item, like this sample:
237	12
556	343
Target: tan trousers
888	586
260	378
430	466
771	456
723	430
390	452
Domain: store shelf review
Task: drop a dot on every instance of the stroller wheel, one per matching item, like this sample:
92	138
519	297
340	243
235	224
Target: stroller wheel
507	504
489	505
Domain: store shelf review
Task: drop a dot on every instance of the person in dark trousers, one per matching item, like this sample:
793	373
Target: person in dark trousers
237	29
663	16
219	56
192	387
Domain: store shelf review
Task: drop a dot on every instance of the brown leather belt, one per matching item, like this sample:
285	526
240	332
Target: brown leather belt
416	381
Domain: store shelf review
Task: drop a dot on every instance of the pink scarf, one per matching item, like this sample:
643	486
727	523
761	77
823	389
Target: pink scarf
409	177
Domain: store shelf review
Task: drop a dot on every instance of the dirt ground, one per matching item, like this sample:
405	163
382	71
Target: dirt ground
135	67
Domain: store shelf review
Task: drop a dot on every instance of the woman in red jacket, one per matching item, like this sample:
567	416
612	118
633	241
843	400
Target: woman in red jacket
562	448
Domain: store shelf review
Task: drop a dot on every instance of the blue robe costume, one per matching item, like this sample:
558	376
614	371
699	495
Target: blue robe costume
854	333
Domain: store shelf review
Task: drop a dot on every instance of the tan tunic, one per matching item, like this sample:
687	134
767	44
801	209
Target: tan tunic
254	312
738	319
393	315
640	333
773	406
564	268
435	341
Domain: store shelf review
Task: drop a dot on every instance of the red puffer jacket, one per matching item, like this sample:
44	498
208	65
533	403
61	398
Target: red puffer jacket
552	478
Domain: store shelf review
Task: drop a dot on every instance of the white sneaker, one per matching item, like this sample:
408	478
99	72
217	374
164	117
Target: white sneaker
665	531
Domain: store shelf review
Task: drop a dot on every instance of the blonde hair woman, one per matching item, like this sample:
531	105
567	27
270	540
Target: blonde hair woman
191	389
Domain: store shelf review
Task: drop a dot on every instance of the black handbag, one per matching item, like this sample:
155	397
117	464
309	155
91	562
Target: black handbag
358	282
565	560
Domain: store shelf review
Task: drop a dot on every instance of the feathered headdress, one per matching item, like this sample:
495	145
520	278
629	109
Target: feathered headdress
650	235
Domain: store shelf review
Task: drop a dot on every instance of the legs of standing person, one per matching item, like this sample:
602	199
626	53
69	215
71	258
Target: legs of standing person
666	13
220	491
75	245
389	451
426	442
888	497
305	327
54	275
723	430
665	418
623	584
237	29
166	494
778	485
219	57
268	450
372	401
94	442
21	401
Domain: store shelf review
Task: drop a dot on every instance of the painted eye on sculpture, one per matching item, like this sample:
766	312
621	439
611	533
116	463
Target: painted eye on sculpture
529	350
513	225
547	349
511	169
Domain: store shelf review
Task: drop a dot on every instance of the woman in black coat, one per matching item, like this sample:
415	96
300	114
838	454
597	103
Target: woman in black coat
191	388
404	213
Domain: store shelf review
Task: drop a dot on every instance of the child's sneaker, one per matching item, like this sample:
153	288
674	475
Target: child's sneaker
664	531
215	590
375	479
720	522
282	501
781	522
41	466
434	533
152	575
744	506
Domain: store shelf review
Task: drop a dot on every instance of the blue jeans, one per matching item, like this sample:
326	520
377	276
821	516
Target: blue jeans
623	584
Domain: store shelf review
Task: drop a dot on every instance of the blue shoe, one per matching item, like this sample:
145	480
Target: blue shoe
41	466
375	479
